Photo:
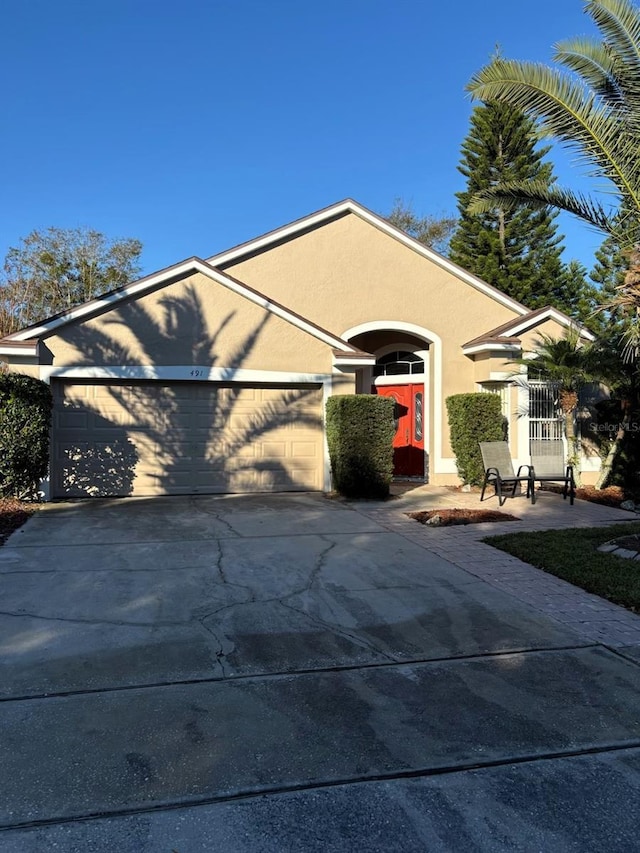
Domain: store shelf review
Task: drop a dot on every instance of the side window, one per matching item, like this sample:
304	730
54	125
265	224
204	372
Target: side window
418	428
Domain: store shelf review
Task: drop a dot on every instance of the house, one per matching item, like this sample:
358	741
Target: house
212	375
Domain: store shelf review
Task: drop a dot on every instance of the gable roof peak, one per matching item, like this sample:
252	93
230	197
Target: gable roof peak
508	333
349	206
194	264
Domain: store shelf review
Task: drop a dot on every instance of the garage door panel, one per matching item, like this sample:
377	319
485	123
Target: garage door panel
72	419
273	450
147	438
93	468
247	451
304	448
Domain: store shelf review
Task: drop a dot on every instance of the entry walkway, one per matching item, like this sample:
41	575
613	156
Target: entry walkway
592	617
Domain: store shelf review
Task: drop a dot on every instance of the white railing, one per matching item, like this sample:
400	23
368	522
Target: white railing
545	414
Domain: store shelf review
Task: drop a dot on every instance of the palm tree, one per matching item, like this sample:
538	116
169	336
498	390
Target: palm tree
567	364
590	103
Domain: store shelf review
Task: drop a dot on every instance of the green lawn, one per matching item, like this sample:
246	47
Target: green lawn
572	555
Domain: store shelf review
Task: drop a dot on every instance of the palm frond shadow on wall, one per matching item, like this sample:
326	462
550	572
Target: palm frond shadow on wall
222	444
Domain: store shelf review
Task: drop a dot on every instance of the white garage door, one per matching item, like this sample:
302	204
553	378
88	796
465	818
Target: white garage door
150	438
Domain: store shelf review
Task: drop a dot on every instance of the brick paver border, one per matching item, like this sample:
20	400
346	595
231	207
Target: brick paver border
591	617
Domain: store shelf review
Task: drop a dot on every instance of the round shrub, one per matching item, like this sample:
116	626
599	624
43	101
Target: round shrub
25	420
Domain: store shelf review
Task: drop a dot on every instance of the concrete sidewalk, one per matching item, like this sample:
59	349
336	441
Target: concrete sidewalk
289	673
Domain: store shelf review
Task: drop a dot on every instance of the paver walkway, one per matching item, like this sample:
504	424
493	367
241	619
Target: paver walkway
589	615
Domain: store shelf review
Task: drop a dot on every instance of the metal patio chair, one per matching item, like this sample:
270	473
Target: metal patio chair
548	466
498	471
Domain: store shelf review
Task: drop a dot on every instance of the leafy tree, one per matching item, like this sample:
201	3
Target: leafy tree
591	105
52	270
433	231
516	249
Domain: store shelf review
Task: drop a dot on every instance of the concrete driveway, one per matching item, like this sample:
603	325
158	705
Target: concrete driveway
282	673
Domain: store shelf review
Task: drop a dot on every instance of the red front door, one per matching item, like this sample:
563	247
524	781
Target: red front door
408	442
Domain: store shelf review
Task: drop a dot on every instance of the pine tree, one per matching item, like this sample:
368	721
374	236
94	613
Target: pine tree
577	297
608	275
517	251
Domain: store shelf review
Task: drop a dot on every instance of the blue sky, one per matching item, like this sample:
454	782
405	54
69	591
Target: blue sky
199	124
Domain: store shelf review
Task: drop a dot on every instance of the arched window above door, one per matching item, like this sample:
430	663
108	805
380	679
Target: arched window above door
398	363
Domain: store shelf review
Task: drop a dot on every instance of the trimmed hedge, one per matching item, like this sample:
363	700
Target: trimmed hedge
473	418
25	420
360	432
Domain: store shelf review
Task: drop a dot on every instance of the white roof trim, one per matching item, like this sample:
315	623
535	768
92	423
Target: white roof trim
356	361
550	314
180	372
137	288
350	206
489	347
96	306
7	349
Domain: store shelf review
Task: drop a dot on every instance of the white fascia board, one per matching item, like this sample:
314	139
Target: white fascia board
443	263
193	265
7	349
281	233
507	348
360	361
107	301
551	314
180	372
352	207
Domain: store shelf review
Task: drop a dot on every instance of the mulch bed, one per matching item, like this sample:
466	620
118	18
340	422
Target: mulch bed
611	496
461	516
13	514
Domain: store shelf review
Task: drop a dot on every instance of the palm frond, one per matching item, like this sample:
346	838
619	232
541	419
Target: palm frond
569	112
619	23
538	195
594	62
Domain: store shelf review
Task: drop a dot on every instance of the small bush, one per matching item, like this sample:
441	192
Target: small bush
360	434
473	418
25	420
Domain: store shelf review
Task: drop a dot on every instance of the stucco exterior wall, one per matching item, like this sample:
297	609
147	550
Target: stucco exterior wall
346	275
194	321
17	366
348	272
531	338
494	367
343	383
